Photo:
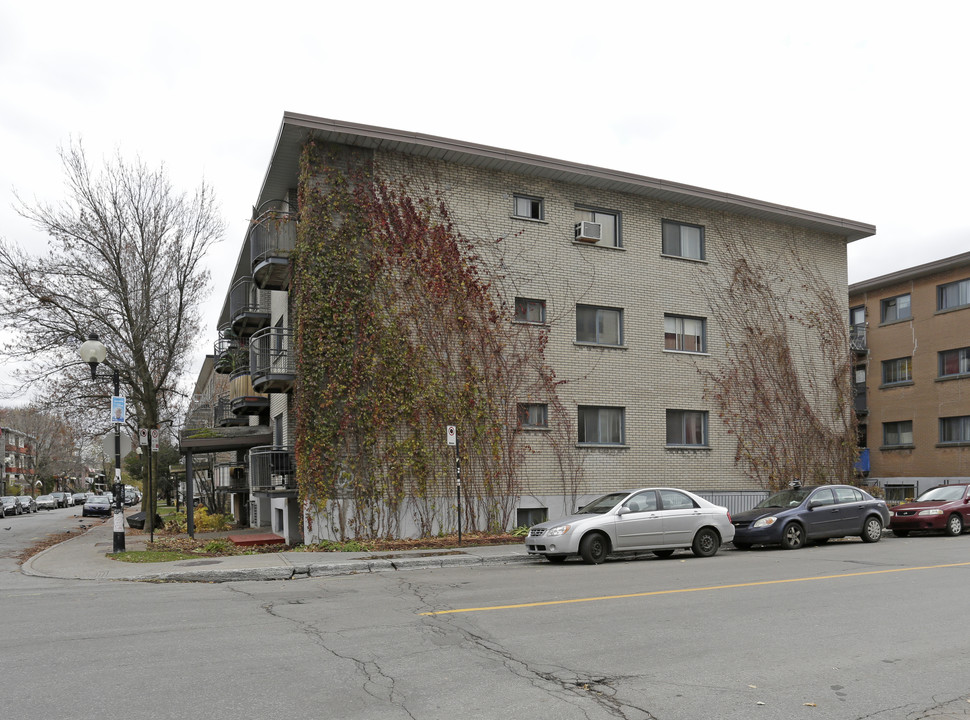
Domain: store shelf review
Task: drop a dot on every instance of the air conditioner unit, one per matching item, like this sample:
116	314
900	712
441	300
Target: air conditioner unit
590	232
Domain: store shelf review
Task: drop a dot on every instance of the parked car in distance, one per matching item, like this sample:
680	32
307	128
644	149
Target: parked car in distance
46	502
68	499
11	506
78	498
662	520
96	505
60	498
813	513
27	503
944	507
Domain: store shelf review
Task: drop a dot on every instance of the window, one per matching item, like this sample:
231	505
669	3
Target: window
857	315
530	516
955	362
847	495
686	427
528	207
673	500
530	311
684	333
683	240
823	497
600	425
896	371
955	429
896	308
608	221
533	415
603	326
953	295
897	433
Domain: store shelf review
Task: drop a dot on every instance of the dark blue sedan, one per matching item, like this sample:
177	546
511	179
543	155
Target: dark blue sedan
813	513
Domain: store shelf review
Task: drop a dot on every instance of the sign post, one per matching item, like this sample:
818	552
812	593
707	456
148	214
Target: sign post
453	440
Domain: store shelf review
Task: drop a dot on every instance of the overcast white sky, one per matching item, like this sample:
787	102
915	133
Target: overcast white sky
852	109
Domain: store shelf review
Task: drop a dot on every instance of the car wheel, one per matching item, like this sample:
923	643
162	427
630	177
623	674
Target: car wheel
872	530
556	559
706	542
663	553
594	548
954	525
742	546
793	536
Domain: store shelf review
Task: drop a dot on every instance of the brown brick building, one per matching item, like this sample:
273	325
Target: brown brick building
911	335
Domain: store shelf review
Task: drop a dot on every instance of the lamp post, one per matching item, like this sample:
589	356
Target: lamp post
93	352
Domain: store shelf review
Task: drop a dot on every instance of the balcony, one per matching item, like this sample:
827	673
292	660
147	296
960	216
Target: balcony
857	339
272	469
248	312
271	241
860	399
231	478
223	416
272	360
243	399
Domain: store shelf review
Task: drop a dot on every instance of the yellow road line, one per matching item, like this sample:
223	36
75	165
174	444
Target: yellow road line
690	590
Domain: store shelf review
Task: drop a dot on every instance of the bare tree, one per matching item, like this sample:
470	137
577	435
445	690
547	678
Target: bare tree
124	261
54	441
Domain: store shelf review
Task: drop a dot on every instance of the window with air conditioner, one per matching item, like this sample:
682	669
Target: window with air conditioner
598	227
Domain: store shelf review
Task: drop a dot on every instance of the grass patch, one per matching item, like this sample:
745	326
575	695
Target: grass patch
151	556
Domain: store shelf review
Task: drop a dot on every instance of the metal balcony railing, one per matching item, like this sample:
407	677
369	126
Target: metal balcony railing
860	399
248	307
857	338
272	360
230	477
272	240
272	468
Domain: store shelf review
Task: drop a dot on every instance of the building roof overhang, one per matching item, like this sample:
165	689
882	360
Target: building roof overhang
296	129
913	273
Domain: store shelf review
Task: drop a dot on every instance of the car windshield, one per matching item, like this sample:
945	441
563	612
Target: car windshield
942	494
786	498
602	504
98	500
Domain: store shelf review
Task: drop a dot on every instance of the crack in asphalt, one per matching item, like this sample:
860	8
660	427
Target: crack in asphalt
378	684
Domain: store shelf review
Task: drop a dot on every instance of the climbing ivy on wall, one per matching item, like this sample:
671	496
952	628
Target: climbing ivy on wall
401	332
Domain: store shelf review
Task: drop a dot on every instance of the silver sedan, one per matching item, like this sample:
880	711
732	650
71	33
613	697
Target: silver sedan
659	519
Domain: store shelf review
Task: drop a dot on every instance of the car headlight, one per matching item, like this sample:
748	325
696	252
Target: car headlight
765	522
558	530
934	511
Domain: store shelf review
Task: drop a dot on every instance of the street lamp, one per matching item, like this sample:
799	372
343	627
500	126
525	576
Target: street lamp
93	352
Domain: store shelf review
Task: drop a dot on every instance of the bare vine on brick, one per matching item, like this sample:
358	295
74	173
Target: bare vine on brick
783	388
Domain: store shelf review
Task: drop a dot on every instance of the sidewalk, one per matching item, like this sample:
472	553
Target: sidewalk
85	558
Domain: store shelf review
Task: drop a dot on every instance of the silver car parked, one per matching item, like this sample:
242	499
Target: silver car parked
659	519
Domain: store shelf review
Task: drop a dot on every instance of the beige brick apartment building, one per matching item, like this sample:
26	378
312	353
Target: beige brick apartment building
621	269
911	333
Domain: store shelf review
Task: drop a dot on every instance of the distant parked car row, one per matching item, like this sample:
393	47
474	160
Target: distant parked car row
664	520
20	504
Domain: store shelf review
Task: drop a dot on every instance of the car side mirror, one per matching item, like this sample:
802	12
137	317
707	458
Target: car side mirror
812	505
623	510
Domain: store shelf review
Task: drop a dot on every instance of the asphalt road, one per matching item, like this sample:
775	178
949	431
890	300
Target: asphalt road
841	631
